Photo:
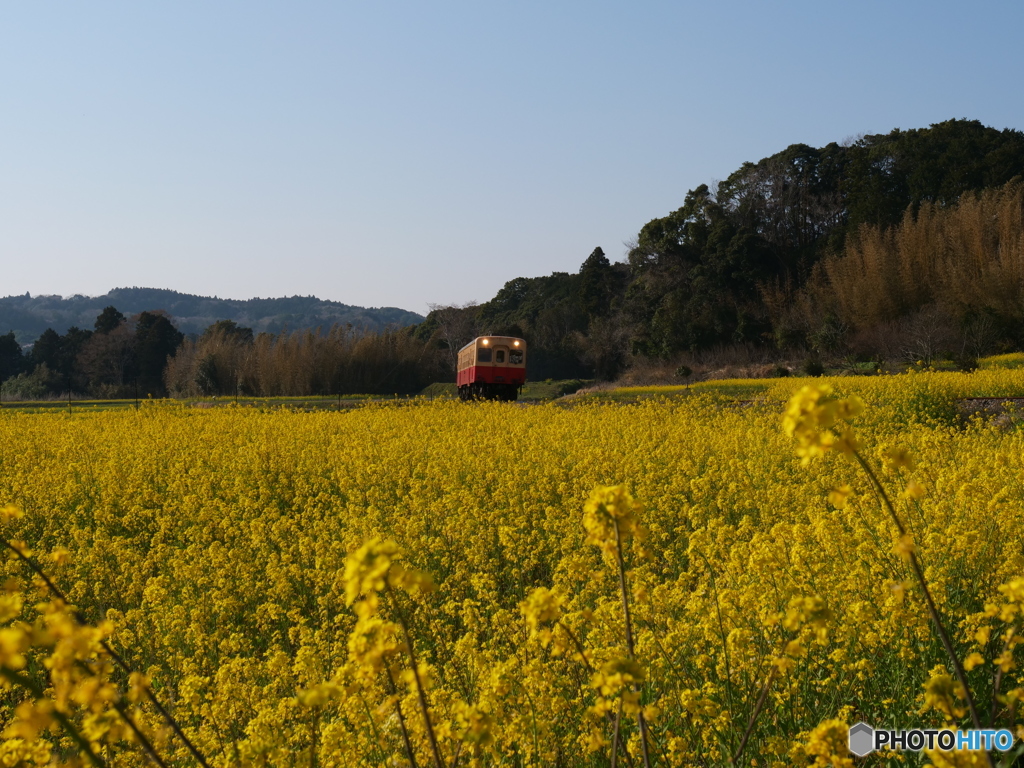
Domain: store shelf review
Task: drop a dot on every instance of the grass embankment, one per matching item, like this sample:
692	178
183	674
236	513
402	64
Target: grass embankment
1010	361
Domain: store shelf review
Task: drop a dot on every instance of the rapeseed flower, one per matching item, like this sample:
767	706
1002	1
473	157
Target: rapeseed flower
222	544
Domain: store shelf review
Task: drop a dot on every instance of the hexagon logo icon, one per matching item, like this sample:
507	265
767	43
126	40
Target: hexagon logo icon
862	739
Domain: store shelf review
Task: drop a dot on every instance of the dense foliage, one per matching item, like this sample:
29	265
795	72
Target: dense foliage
724	267
944	280
147	356
228	359
121	355
267	573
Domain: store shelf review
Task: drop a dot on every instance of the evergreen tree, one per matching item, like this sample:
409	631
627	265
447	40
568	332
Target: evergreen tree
47	350
156	339
108	320
598	285
11	359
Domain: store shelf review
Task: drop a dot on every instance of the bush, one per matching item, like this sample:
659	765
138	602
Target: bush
813	367
570	386
28	386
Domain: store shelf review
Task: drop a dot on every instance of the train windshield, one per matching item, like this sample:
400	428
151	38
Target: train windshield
499	356
483	355
515	357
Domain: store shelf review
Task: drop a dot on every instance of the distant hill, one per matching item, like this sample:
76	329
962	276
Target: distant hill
28	316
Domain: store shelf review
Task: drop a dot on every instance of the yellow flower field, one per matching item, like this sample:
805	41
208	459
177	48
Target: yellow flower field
351	588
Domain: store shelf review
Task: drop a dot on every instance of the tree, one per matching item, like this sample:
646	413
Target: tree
604	347
223	352
670	256
108	320
46	350
156	339
229	330
107	361
59	354
456	327
598	285
11	359
71	345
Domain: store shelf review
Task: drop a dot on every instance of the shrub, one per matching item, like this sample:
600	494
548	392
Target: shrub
814	367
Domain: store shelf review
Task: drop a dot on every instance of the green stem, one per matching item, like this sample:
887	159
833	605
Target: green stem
998	682
60	717
80	618
762	697
933	611
725	642
420	692
615	735
579	646
393	690
373	728
314	727
641	721
586	662
147	745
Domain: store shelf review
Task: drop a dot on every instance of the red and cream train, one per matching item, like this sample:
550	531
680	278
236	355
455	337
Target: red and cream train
492	367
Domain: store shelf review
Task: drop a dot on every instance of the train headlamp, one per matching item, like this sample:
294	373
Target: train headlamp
515	343
486	341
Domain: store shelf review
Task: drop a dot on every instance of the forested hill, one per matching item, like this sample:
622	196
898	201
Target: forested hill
28	316
744	261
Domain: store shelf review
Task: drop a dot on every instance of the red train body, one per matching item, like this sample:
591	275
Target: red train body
492	367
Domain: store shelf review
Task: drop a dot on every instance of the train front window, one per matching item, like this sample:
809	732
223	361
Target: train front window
515	357
499	356
483	355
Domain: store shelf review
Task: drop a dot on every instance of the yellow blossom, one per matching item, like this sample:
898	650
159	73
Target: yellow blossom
609	517
837	496
810	416
826	745
914	490
904	546
973	660
10	512
941	693
900	458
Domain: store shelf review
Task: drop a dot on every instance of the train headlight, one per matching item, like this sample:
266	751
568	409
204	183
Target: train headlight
486	341
515	343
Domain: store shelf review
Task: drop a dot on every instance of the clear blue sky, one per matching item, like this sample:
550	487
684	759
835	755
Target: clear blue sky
381	153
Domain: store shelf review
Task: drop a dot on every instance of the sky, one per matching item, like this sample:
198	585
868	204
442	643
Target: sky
407	154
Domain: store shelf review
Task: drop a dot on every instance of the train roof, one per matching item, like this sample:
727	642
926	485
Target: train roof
494	338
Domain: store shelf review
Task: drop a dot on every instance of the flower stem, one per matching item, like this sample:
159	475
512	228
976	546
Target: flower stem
629	637
615	736
420	692
393	690
76	736
933	611
80	618
762	697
